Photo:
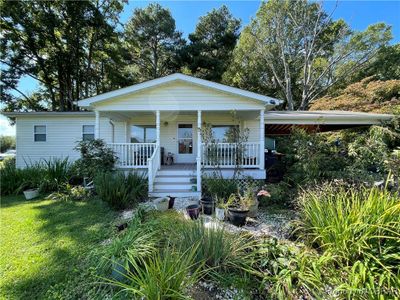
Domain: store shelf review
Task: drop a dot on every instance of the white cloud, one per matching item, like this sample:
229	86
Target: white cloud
5	127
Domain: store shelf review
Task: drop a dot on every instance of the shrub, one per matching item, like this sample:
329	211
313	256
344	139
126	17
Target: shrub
95	157
15	181
120	191
360	227
48	176
71	193
10	178
281	193
290	271
357	155
6	143
215	186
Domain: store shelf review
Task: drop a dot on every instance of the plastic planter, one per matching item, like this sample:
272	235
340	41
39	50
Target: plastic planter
30	194
237	216
193	211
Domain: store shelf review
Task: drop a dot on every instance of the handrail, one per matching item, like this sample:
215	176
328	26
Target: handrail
132	155
225	155
153	165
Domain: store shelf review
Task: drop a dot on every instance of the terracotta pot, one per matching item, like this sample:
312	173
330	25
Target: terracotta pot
31	193
237	216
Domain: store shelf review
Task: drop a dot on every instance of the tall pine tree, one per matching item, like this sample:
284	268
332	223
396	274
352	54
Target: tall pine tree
211	44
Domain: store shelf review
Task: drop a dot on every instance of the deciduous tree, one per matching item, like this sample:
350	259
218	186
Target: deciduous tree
304	52
68	47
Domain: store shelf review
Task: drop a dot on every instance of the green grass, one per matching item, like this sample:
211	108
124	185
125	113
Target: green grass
45	245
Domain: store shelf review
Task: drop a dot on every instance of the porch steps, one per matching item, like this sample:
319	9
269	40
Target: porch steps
175	183
172	179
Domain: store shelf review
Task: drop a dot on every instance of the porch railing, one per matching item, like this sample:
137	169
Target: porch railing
133	155
229	155
153	163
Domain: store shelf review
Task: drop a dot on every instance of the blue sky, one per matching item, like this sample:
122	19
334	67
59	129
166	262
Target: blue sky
359	14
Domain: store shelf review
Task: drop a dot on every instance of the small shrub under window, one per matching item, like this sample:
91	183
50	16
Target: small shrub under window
95	157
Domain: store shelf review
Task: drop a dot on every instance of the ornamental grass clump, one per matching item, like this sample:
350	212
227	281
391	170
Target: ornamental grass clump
164	275
220	250
119	190
361	227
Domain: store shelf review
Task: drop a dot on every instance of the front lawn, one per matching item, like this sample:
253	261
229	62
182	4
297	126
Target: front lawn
45	245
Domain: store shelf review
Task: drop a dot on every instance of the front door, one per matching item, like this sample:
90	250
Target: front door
186	148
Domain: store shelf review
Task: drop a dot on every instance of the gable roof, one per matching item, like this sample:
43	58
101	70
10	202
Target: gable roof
178	77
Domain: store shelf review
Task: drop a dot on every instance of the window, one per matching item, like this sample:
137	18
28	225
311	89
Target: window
143	134
88	132
270	143
221	133
39	133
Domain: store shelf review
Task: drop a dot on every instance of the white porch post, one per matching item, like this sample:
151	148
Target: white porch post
262	140
198	159
127	138
97	125
158	127
158	136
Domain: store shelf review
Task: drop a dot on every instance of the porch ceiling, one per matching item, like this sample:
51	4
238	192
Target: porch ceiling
171	115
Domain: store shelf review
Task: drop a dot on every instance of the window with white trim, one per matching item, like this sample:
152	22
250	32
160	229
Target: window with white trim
88	132
39	133
221	133
143	134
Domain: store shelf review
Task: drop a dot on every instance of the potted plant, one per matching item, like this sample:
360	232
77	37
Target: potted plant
30	190
251	201
161	204
238	209
220	208
193	211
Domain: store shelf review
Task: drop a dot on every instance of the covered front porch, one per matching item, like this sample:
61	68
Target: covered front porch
144	139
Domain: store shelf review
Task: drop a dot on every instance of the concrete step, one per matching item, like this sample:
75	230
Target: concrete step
172	178
175	193
167	172
172	186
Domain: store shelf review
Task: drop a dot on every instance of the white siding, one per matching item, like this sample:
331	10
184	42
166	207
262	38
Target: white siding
180	96
63	133
254	127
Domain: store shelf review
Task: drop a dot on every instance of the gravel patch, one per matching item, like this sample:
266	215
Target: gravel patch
205	290
270	221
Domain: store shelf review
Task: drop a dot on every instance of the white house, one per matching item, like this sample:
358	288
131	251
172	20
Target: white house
140	122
